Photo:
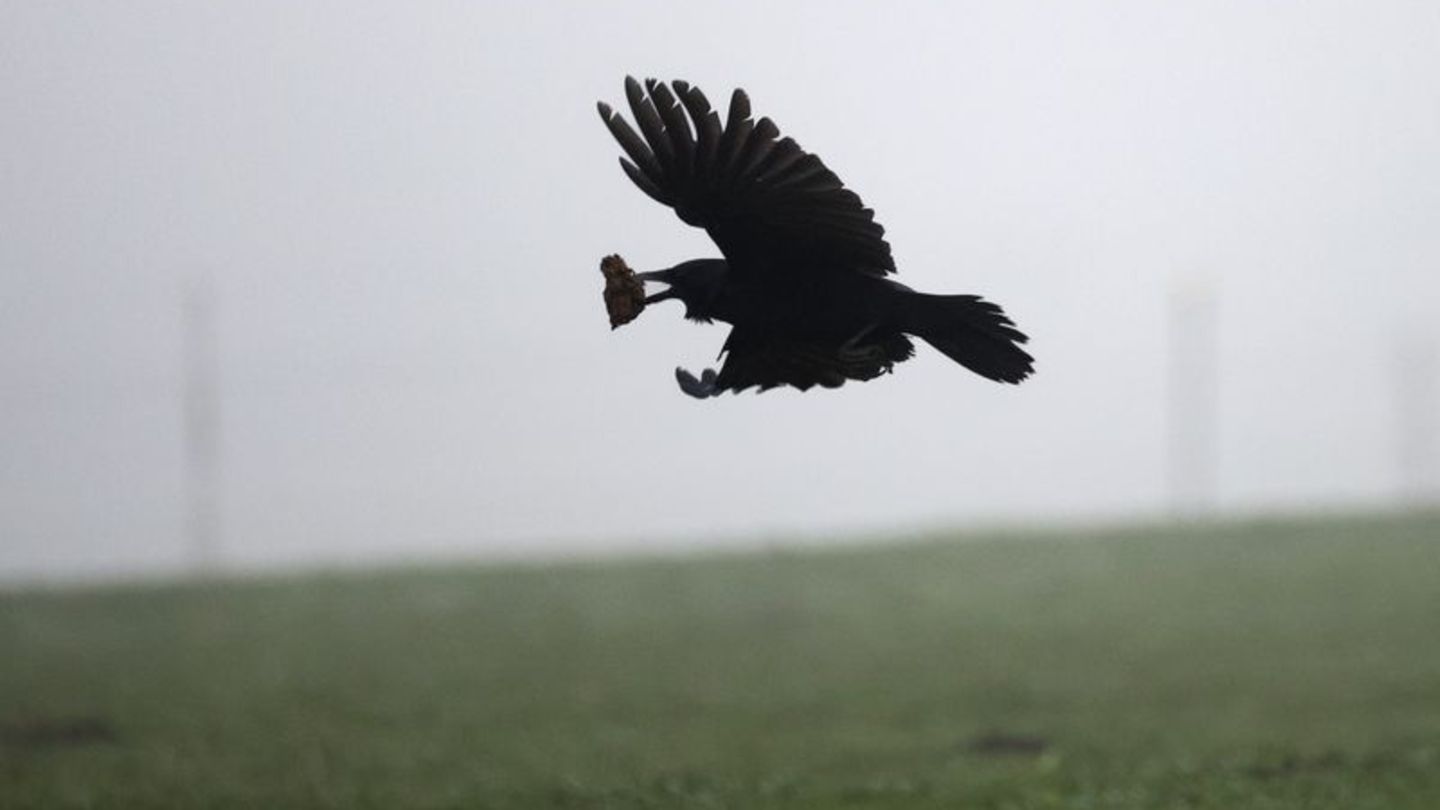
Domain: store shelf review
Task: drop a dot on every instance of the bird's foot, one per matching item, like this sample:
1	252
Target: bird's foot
702	387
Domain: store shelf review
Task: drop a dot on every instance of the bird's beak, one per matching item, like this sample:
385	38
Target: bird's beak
661	276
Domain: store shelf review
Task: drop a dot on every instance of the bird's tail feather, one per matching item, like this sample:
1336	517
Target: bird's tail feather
971	331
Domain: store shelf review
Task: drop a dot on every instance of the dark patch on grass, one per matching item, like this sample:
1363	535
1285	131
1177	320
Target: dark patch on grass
1290	765
1002	744
56	732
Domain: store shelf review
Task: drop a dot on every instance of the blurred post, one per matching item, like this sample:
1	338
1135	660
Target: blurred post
1193	399
1417	401
201	413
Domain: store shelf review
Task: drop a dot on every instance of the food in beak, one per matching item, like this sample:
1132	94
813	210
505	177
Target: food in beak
624	292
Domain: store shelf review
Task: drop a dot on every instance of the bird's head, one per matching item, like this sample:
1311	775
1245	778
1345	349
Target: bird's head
698	283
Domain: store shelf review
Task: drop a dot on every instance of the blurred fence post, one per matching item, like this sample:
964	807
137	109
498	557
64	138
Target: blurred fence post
1193	455
1417	412
201	414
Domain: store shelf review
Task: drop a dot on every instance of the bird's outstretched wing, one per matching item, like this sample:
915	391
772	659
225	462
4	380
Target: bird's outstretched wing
768	204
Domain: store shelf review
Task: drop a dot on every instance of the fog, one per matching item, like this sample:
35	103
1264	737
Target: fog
398	211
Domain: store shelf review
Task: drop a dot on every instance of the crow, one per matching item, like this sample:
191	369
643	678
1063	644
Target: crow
803	279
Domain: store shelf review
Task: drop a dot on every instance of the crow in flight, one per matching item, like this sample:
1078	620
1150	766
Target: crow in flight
803	282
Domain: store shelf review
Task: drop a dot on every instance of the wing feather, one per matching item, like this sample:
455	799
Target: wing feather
737	128
676	127
636	148
650	125
775	165
645	183
758	145
707	124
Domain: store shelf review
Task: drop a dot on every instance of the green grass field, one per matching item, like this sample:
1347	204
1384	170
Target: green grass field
1267	664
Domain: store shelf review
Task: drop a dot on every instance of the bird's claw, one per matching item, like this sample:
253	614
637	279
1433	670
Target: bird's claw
703	387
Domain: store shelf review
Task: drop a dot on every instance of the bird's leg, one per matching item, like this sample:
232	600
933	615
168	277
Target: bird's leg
703	387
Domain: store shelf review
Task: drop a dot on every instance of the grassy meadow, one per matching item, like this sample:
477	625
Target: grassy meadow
1264	664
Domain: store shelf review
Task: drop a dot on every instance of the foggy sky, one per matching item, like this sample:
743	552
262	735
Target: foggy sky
401	209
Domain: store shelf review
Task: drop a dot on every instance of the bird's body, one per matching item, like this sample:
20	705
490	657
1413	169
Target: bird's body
803	282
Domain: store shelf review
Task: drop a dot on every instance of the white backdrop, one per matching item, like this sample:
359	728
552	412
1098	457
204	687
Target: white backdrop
402	207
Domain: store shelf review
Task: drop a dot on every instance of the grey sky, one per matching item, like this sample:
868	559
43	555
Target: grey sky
402	207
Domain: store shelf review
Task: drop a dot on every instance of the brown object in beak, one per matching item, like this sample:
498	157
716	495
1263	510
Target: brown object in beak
624	293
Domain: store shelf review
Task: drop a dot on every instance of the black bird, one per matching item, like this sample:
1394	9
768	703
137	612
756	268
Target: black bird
803	281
